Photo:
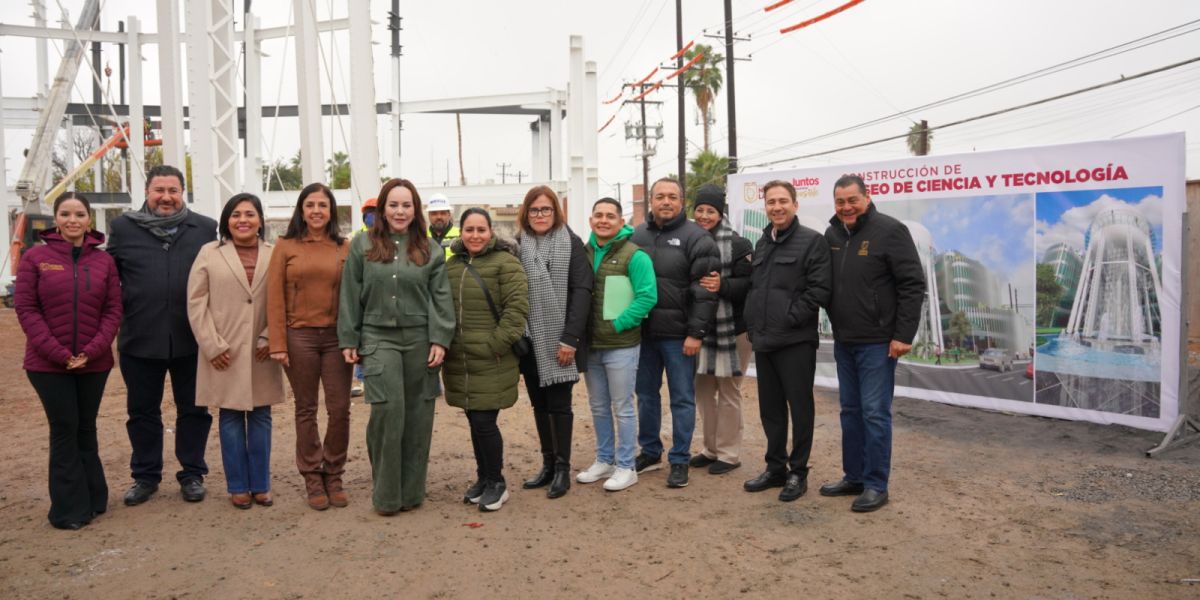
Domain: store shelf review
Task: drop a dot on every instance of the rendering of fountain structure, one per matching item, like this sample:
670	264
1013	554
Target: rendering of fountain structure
1108	356
929	333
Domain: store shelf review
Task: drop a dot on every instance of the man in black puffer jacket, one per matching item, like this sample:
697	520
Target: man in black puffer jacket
682	253
790	282
878	289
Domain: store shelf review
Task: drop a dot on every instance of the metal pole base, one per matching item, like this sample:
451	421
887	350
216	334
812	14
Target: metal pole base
1186	429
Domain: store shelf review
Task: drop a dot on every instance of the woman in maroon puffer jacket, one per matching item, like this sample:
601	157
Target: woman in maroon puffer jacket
68	300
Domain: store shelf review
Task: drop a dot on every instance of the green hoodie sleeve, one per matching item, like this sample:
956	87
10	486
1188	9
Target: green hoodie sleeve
645	292
350	308
441	310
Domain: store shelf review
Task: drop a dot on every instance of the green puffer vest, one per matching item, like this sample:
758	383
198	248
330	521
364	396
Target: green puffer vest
614	263
480	371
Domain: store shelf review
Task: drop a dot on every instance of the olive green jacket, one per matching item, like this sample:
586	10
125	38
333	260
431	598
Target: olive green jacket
395	294
481	371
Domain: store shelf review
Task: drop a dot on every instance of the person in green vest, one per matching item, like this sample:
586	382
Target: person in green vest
623	293
441	230
491	302
396	316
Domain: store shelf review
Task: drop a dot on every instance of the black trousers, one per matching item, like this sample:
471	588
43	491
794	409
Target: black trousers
487	443
785	385
144	379
553	399
77	486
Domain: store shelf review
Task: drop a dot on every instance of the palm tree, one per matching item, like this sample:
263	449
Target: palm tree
705	80
338	168
706	168
915	147
462	175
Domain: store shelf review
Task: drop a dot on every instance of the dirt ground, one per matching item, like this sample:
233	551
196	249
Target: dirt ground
983	505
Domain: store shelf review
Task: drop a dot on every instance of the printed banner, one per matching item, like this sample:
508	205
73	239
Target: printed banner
1053	274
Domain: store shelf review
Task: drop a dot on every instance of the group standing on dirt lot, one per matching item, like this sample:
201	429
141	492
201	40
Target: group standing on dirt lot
404	301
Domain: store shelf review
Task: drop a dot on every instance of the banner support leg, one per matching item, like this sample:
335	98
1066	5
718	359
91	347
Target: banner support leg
1186	429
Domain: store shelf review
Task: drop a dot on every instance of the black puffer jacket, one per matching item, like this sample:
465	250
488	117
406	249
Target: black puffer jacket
792	278
879	284
682	252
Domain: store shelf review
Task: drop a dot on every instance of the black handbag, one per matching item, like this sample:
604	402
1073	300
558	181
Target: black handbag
522	346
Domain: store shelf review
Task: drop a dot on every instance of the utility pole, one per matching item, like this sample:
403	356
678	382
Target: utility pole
640	131
732	137
682	89
503	171
397	124
520	175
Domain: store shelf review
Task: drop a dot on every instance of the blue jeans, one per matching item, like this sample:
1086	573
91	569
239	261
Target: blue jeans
246	449
610	378
657	354
866	382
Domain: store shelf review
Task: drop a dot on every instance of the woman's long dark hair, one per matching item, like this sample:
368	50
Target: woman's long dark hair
298	228
382	250
223	224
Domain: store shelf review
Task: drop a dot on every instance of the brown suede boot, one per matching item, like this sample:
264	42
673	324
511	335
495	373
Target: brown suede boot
337	494
318	498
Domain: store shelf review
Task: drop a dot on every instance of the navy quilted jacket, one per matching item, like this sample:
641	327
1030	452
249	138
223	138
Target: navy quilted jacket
66	306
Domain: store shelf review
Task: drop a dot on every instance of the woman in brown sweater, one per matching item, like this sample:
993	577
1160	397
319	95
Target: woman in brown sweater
302	305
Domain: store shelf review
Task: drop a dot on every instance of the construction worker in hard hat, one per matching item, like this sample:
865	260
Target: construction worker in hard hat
441	227
368	213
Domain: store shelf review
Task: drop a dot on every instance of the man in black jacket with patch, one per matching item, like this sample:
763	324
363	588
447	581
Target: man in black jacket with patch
790	282
878	289
683	253
154	248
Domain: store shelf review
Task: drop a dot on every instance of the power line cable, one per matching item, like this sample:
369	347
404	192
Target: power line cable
990	114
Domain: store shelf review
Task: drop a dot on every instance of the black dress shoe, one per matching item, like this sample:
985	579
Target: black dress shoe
70	525
842	488
795	487
192	490
870	500
140	492
721	467
700	461
765	481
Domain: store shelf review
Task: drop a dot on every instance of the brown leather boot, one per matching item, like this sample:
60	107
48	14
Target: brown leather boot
337	494
241	500
318	498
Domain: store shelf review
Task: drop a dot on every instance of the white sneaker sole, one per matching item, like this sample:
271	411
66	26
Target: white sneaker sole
617	488
585	477
496	506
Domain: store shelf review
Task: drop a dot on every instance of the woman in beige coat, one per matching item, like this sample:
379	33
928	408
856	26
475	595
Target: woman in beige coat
227	307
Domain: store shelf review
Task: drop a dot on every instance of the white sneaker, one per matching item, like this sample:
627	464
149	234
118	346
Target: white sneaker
621	479
594	473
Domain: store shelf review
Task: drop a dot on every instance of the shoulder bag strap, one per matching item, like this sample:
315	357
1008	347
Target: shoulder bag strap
487	295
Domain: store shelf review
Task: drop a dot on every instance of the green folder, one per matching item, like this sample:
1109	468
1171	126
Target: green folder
618	295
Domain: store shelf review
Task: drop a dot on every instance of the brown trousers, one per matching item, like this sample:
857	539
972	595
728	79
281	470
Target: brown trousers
316	361
719	400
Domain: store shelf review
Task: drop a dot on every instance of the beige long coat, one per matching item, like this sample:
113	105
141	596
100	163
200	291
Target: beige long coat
229	313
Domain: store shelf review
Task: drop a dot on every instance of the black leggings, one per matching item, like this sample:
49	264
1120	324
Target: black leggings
487	443
71	402
553	399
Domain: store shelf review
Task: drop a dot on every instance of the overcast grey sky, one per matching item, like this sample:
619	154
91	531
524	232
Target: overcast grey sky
875	59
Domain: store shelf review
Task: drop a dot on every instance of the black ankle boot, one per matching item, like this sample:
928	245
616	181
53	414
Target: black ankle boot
543	477
561	483
545	440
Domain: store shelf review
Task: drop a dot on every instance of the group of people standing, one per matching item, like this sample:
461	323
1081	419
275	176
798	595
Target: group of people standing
227	315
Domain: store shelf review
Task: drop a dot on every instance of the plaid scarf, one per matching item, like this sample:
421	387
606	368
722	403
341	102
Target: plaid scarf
547	262
158	226
718	353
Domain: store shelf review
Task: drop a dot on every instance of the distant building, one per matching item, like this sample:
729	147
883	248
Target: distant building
968	286
1068	264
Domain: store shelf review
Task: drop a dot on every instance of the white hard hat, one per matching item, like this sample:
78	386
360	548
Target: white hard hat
437	202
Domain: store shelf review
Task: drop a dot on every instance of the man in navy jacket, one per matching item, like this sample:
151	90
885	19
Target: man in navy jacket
154	248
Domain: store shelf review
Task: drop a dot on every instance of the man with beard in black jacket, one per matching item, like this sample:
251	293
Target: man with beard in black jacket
789	284
683	253
878	289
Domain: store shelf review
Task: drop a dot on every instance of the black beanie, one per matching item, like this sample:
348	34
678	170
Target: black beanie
711	195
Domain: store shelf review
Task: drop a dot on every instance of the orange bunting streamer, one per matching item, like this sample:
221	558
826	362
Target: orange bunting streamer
776	5
646	78
615	98
648	90
683	50
606	124
820	18
689	65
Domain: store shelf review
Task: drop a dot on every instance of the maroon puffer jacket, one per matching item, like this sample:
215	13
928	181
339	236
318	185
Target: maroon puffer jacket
67	307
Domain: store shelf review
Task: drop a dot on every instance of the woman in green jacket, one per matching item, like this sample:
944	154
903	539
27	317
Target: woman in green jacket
491	302
395	315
